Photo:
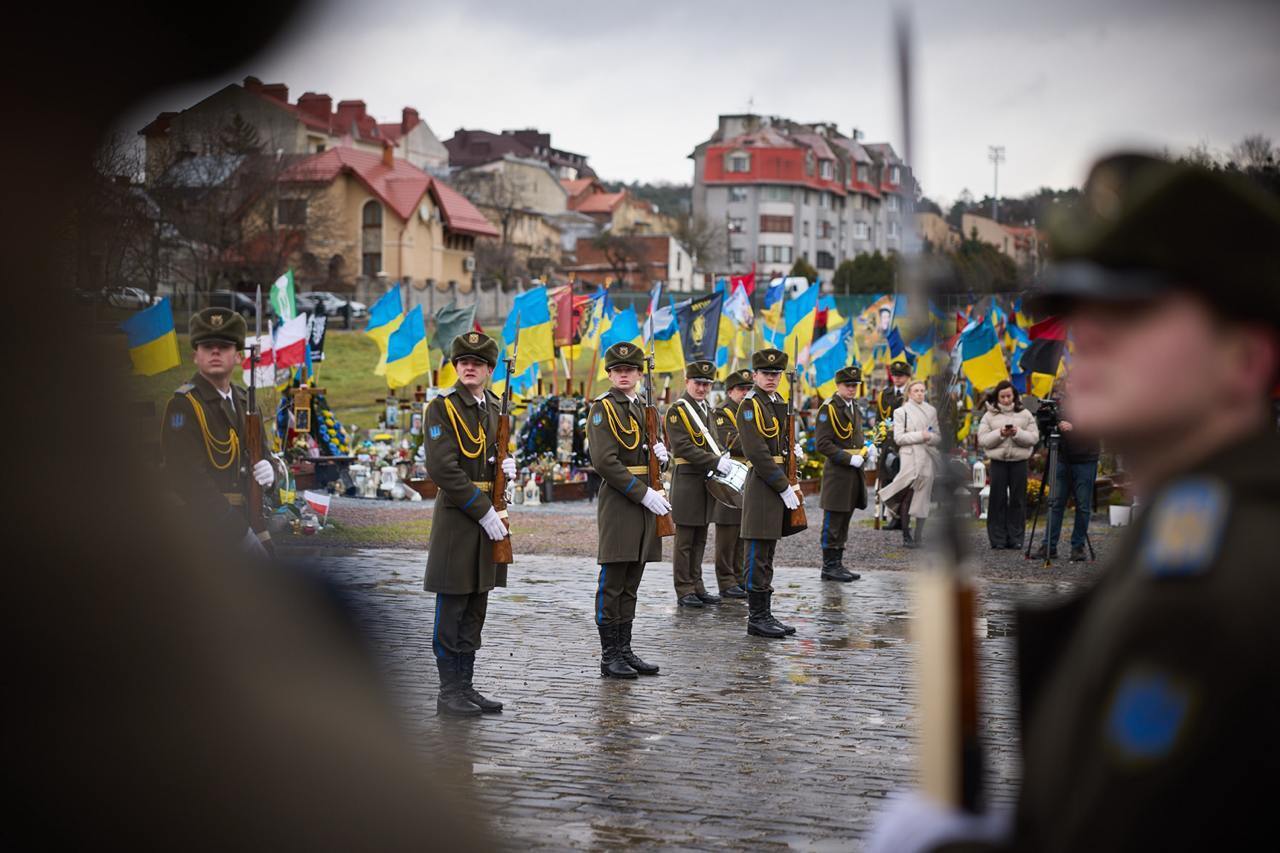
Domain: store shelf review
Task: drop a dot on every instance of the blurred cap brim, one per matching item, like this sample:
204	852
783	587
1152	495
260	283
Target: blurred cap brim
1069	284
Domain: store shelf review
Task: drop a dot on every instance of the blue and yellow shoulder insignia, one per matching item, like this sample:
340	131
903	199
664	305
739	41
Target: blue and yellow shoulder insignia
185	388
1148	715
1186	528
435	432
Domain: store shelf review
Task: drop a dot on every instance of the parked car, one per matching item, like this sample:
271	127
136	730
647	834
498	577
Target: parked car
127	297
331	304
241	303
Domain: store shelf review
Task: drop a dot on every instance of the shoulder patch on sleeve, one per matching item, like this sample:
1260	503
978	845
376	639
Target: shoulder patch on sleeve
177	420
435	432
1147	715
822	416
719	420
673	419
597	418
1186	527
749	415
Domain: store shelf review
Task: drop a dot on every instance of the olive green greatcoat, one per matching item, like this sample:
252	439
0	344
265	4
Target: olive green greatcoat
628	532
460	555
843	487
691	503
763	513
726	427
197	480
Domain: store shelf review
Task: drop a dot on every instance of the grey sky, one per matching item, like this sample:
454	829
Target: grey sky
635	86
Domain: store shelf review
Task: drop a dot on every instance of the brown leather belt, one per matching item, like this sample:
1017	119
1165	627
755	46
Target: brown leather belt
778	459
637	469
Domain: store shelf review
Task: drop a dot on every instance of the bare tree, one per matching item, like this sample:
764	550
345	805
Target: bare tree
623	252
501	197
706	242
1255	151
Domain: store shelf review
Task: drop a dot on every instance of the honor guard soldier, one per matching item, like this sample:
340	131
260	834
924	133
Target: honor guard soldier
888	401
768	495
1142	693
626	510
461	426
728	520
838	436
697	454
204	461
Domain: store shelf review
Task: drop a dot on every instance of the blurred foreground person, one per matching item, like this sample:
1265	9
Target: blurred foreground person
166	693
1147	701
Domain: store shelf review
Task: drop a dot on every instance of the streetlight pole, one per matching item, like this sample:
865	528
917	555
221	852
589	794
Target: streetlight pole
995	153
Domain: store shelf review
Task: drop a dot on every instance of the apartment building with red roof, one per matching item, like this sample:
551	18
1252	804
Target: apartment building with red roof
786	191
468	148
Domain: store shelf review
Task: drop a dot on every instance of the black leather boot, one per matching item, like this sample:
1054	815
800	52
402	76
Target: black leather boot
920	533
831	568
758	622
632	659
839	558
468	670
611	663
896	524
768	604
449	701
735	591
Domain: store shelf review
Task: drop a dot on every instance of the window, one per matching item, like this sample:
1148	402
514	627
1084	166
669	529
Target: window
824	229
762	253
806	229
738	161
371	239
893	228
809	161
895	175
319	147
864	173
807	199
861	231
894	203
781	254
826	261
777	194
856	202
737	193
737	256
291	211
677	262
842	232
776	224
736	224
825	170
824	200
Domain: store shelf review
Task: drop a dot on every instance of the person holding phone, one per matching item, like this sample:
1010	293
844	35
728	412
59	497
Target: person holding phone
1008	435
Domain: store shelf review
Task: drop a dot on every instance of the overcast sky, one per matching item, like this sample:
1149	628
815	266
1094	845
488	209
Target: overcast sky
636	85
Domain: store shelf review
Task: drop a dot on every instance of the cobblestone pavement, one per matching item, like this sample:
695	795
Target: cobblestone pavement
741	742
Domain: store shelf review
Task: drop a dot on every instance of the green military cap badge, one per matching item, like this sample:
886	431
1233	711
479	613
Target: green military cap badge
475	345
217	324
623	354
900	368
1131	238
851	375
704	370
769	360
737	378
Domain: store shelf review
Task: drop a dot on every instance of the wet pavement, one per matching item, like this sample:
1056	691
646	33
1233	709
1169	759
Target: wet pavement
740	742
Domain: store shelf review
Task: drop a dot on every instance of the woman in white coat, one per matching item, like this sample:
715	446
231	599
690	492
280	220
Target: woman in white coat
1008	434
915	429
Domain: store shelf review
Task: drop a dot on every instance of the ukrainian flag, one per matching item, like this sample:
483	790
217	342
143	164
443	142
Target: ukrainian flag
385	317
624	327
153	342
668	348
830	353
537	342
800	314
407	354
981	357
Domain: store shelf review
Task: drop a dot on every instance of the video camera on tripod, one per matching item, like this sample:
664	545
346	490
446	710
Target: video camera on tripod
1048	416
1047	413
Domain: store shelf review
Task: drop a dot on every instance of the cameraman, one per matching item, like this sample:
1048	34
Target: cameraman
1077	469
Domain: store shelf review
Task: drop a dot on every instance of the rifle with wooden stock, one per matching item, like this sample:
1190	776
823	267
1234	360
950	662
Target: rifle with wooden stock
253	433
666	527
796	518
498	492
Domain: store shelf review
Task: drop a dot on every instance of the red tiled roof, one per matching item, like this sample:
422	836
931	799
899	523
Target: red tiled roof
574	186
459	214
600	202
400	186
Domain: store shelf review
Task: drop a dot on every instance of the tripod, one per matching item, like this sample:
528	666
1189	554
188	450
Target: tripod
1054	443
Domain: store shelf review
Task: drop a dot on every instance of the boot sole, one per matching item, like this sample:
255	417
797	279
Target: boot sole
839	579
770	635
459	714
621	676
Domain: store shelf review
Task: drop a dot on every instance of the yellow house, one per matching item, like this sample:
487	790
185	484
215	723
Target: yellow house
385	218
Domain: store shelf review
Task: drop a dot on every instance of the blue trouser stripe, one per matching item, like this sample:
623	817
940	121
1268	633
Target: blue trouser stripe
751	560
826	525
435	632
600	598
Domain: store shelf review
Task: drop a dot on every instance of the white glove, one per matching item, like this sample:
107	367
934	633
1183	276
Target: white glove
509	468
722	465
493	525
660	451
799	450
913	822
655	503
856	460
251	544
264	473
790	499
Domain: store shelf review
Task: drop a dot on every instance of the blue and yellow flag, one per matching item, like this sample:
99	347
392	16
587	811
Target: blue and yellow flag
537	339
153	342
407	355
830	353
667	343
983	361
385	317
624	326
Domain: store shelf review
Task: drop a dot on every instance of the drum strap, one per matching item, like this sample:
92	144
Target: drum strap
706	433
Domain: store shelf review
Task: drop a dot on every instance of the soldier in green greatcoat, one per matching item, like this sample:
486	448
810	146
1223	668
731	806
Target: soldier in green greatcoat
728	520
205	464
461	427
626	510
838	437
697	452
768	495
889	400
